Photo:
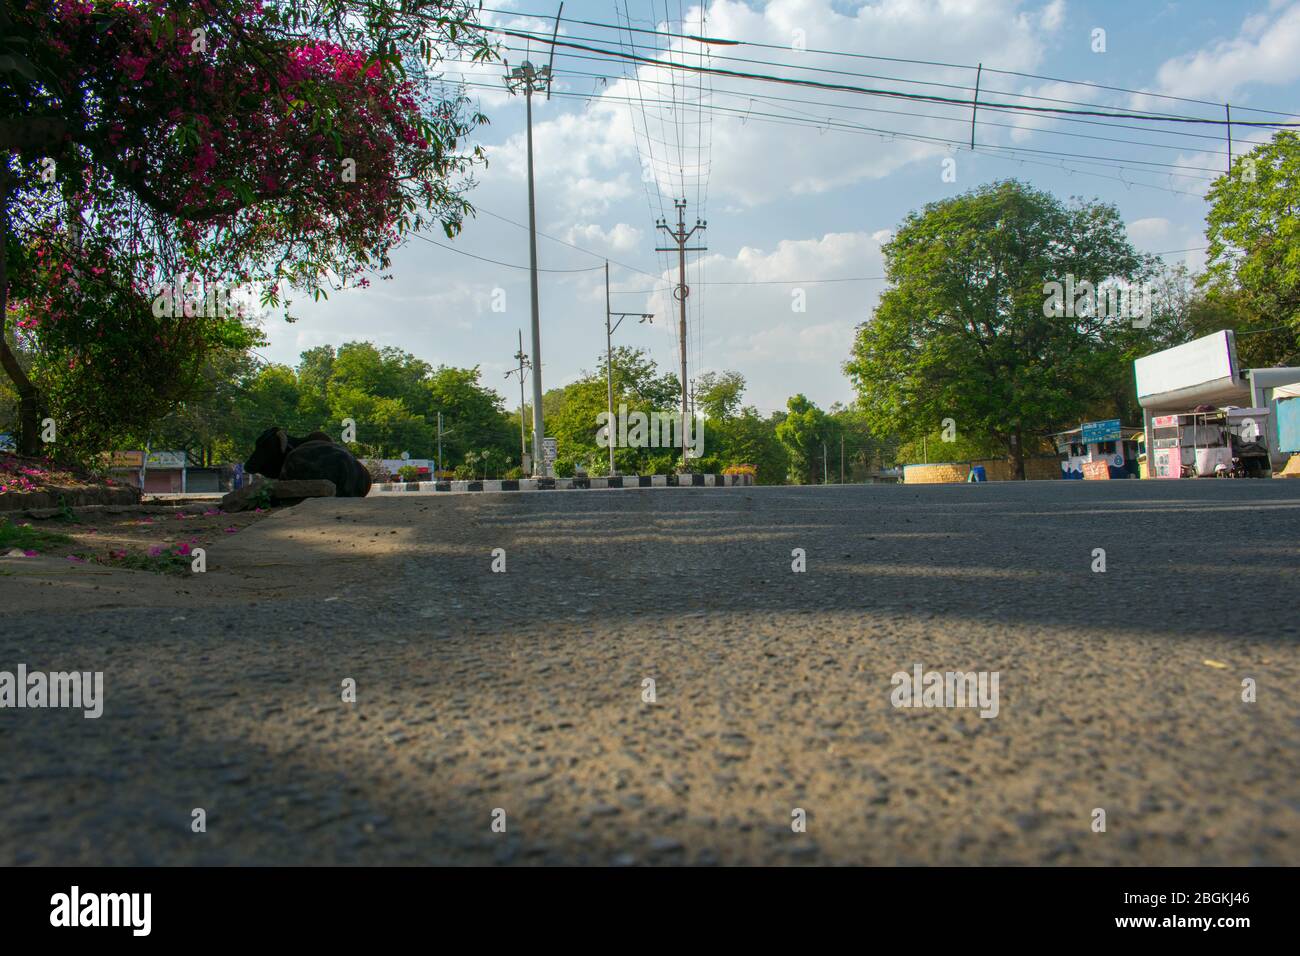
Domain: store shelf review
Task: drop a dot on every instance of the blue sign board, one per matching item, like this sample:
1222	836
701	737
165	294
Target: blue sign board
1101	431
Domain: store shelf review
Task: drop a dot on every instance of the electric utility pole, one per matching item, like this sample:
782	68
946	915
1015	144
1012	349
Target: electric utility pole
680	238
531	80
522	359
609	359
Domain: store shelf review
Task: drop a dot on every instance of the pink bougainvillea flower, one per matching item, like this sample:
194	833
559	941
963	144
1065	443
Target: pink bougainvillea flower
155	551
231	530
77	558
182	548
29	553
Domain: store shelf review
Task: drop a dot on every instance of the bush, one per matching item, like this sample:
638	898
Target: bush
750	470
514	473
408	473
660	465
464	473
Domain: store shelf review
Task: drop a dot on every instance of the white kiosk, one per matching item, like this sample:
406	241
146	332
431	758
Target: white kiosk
1204	372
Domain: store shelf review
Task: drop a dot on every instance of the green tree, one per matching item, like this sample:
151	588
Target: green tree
1254	231
473	415
210	141
748	439
717	394
803	433
965	330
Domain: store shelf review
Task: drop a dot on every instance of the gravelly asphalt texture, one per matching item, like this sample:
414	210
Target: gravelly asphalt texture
523	690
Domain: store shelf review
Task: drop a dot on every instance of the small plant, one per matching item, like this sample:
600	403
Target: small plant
27	538
163	563
66	514
408	473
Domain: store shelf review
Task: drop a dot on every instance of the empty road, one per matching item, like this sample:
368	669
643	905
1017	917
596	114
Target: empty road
521	696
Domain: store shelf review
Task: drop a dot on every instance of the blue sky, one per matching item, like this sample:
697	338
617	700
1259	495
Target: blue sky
806	196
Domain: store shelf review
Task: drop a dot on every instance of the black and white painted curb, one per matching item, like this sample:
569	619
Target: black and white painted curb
567	484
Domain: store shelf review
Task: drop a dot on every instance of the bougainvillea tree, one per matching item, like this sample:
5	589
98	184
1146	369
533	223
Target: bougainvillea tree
158	153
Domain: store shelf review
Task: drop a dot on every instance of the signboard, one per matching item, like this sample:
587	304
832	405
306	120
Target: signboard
166	459
1164	421
125	459
550	451
1096	470
1201	370
1101	431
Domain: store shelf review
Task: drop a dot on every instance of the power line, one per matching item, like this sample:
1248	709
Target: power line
1084	159
495	262
963	119
708	41
894	94
598	255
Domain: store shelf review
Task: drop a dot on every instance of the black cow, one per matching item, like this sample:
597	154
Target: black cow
278	454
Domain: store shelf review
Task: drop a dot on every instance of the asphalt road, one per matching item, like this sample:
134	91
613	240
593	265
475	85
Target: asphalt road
523	691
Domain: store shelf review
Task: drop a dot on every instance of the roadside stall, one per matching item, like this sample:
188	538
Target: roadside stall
1212	417
1098	450
1211	443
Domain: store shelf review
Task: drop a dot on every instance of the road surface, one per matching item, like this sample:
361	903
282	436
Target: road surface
520	696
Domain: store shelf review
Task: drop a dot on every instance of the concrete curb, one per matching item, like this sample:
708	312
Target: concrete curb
31	501
566	484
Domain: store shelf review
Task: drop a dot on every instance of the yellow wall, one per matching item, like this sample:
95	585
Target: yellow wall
995	469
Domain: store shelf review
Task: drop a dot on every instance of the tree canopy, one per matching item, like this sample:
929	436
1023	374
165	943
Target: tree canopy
272	146
966	330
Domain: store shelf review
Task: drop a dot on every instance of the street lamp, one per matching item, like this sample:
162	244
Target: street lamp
531	80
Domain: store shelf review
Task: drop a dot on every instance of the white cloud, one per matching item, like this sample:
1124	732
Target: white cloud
1266	49
620	238
1053	16
1144	232
761	141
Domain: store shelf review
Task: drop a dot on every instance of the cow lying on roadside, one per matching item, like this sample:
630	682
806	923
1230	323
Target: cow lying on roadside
277	454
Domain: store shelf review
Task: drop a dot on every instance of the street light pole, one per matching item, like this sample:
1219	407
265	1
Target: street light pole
531	80
609	360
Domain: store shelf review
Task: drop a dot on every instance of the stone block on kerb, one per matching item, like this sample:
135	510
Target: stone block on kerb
658	481
279	490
